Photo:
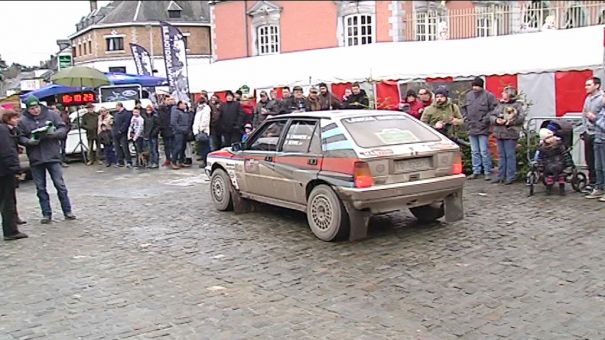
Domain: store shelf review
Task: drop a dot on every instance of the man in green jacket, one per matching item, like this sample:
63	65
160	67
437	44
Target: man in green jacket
442	113
90	123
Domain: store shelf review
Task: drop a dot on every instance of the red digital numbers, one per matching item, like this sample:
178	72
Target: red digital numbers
75	99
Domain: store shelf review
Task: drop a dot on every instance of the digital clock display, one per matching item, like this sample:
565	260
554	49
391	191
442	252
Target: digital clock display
75	99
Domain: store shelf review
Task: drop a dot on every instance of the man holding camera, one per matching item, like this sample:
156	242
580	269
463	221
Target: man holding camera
40	133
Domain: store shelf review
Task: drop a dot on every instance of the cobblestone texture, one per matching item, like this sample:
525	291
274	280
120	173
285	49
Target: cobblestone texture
149	257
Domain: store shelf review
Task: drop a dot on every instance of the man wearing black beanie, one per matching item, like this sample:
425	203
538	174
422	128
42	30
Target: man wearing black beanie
478	104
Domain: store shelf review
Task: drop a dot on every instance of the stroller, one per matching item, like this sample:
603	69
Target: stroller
576	178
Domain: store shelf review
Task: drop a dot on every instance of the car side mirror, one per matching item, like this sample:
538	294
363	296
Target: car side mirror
237	147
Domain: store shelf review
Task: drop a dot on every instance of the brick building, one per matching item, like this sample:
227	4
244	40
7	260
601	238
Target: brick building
251	28
102	37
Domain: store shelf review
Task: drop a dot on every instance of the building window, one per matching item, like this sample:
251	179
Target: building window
74	51
80	49
426	25
121	69
267	37
89	46
358	29
575	17
114	44
174	14
490	21
535	15
84	47
602	18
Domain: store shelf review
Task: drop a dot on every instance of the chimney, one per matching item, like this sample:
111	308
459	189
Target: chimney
93	5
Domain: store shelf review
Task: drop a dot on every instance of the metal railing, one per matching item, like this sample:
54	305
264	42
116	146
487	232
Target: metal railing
501	18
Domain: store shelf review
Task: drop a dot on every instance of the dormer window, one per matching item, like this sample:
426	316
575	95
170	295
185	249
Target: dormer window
174	10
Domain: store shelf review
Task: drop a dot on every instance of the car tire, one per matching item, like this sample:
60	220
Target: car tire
220	190
326	214
429	212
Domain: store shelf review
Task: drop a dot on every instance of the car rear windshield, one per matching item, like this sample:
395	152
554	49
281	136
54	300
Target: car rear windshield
381	130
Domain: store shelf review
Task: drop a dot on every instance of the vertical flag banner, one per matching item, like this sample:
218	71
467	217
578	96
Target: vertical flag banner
175	58
142	60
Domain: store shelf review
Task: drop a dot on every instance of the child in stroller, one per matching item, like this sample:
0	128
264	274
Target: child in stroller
552	161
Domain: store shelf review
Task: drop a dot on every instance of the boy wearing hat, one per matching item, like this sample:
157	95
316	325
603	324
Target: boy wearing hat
45	155
478	105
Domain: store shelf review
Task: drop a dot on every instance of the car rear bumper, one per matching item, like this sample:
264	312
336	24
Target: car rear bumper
393	197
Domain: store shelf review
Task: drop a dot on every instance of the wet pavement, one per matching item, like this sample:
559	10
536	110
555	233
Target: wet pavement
149	257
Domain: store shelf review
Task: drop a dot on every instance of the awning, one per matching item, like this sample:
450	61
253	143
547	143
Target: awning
118	78
548	51
49	91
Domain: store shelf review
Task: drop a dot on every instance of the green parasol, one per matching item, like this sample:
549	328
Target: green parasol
80	76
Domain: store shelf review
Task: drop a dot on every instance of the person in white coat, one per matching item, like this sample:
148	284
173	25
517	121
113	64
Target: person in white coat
201	130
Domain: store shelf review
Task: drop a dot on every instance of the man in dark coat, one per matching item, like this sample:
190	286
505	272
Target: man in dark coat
151	132
165	109
477	108
121	123
180	123
358	100
231	120
40	131
9	167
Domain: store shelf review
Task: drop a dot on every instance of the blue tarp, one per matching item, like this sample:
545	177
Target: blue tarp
51	90
117	78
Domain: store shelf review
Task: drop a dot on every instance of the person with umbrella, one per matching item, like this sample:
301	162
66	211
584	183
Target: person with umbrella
40	131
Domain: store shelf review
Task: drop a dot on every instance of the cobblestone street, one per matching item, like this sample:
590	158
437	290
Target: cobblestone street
150	257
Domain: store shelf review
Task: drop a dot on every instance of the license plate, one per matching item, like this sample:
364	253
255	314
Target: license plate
415	164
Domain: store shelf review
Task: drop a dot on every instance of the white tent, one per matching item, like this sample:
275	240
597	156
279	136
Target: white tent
553	50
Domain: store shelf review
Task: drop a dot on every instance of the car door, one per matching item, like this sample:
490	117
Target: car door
259	153
298	160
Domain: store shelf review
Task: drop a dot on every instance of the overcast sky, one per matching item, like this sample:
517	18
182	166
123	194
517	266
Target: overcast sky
30	29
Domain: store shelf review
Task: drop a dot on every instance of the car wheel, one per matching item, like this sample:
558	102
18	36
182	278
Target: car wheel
326	215
429	212
220	190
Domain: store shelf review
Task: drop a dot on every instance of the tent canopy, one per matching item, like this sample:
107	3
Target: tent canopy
51	90
553	50
118	78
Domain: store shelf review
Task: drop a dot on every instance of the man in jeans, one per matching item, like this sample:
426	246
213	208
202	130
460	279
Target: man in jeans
478	104
121	123
598	121
44	153
592	106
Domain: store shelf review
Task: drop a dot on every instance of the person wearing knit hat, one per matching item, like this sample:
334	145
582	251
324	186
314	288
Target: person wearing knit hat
477	82
31	101
545	133
413	105
44	155
478	104
442	113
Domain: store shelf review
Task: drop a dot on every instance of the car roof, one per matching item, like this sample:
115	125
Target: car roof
336	114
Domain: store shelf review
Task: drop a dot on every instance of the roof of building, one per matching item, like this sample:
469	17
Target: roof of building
120	12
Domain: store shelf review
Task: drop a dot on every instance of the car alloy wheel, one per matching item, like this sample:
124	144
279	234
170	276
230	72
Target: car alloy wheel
326	215
220	190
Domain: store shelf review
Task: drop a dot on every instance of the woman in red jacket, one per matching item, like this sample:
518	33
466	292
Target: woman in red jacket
414	106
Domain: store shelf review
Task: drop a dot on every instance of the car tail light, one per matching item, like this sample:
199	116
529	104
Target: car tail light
457	164
362	175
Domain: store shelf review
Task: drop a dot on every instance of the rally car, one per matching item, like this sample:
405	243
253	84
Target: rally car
340	168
